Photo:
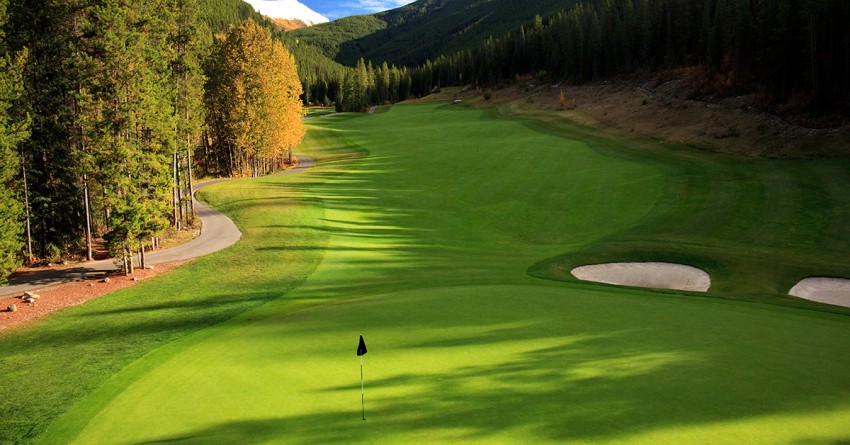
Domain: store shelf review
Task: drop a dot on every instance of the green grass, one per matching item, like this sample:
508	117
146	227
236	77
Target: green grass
757	226
313	112
418	229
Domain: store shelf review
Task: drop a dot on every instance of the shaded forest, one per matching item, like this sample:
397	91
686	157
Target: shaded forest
795	54
110	108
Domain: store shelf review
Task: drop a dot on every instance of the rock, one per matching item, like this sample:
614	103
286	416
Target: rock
35	296
90	285
149	267
29	300
105	280
27	294
135	278
12	308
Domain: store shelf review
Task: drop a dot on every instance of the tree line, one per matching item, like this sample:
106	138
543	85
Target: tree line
794	53
109	108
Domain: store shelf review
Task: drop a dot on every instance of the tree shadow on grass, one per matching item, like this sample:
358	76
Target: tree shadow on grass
585	389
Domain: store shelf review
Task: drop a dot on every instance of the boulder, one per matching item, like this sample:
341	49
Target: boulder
149	267
29	300
105	280
135	278
12	308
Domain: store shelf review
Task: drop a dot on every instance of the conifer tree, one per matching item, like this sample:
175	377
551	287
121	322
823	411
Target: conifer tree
13	129
188	42
132	133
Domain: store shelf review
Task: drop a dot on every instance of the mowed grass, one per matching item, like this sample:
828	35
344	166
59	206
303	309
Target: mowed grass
757	226
417	230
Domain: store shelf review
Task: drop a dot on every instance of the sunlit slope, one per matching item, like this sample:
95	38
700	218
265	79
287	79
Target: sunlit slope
428	229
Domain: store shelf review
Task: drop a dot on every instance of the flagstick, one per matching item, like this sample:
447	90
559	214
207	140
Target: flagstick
362	390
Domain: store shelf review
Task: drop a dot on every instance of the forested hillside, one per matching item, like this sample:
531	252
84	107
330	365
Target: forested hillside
330	36
424	29
220	14
793	55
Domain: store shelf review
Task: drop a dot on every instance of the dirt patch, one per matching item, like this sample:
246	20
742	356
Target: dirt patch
824	290
60	296
650	275
170	238
729	125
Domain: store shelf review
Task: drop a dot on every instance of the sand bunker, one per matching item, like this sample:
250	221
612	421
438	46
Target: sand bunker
824	290
654	275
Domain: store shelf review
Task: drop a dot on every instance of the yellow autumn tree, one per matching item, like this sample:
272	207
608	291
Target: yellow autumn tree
284	128
256	97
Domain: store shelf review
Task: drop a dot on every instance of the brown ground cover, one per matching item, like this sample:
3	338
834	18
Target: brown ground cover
663	110
60	296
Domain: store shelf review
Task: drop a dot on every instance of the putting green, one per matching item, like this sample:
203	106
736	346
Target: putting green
506	364
422	223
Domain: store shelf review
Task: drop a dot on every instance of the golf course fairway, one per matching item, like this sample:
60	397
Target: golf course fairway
441	233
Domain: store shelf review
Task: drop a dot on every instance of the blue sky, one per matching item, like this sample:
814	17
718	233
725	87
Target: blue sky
334	9
317	10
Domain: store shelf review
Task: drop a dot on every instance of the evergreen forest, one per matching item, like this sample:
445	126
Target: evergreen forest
109	109
794	54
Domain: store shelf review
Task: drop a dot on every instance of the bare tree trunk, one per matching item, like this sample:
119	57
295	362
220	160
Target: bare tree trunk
27	206
141	254
106	213
178	181
130	261
189	178
206	145
175	202
87	205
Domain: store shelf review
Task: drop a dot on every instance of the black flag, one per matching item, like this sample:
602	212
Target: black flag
361	348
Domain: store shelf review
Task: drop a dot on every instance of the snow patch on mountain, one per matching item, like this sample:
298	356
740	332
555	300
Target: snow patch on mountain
288	9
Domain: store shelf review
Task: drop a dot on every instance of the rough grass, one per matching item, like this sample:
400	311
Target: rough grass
417	230
757	226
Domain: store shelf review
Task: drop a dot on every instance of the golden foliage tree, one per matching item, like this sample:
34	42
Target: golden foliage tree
254	88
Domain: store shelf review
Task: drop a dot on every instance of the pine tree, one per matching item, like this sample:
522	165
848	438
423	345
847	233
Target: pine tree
13	129
188	41
132	133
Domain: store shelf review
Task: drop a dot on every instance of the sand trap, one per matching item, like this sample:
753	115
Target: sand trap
654	275
824	290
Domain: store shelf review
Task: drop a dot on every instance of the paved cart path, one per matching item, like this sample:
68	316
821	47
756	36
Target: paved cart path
217	232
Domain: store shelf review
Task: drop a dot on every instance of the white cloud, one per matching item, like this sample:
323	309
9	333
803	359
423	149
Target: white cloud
287	9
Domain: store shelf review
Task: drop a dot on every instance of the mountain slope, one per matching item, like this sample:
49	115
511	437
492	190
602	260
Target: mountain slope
330	37
220	14
424	29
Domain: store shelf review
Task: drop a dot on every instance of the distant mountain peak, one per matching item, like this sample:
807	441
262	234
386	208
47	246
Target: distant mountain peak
288	24
289	10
